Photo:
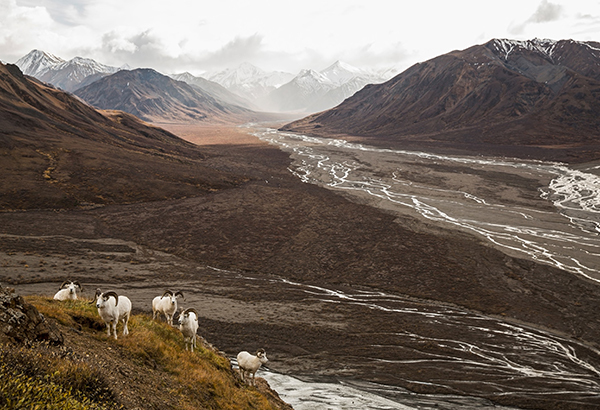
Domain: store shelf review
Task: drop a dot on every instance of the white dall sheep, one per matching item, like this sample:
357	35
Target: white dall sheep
166	304
68	290
112	308
188	324
249	363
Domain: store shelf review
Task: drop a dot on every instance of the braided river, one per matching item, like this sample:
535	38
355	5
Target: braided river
520	223
543	211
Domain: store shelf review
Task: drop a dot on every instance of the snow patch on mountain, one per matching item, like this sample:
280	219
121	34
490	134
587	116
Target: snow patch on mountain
543	46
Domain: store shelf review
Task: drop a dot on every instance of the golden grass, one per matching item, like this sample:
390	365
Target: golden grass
203	378
33	379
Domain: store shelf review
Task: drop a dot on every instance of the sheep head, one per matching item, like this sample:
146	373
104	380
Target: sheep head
104	296
71	286
186	313
262	355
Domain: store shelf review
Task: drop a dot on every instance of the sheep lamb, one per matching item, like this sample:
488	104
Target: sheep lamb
188	324
166	304
249	364
68	291
112	308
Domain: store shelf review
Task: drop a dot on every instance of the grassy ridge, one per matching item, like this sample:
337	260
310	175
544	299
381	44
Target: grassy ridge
93	371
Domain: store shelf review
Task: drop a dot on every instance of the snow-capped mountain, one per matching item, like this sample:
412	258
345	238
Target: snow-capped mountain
214	89
68	75
340	73
312	91
71	74
37	62
249	81
307	87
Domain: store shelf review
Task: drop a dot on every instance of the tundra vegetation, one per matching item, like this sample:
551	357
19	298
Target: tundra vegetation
149	368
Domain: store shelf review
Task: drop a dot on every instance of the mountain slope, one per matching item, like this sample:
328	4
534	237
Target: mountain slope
505	97
152	96
58	152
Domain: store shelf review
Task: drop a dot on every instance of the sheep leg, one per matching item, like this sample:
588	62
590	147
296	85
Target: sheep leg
169	319
114	328
125	321
242	371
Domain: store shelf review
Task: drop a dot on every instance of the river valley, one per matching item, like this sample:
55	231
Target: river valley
346	341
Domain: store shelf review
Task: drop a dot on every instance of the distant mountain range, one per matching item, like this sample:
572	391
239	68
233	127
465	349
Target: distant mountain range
245	86
537	98
534	99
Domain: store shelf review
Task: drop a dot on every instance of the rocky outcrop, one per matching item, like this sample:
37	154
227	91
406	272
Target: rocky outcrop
20	322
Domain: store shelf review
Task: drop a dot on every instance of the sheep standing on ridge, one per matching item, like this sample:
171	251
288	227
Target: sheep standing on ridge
249	364
188	324
166	304
112	308
68	290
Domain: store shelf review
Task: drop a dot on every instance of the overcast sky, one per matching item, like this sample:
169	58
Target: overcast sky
198	36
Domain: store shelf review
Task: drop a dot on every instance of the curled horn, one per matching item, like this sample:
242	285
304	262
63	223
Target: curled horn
63	284
188	310
260	352
106	295
78	285
167	292
178	293
98	293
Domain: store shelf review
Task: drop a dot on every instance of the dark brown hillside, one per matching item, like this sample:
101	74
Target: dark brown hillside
56	152
525	99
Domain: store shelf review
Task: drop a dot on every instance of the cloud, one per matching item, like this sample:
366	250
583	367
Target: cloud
236	51
394	55
142	49
65	12
545	13
20	27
